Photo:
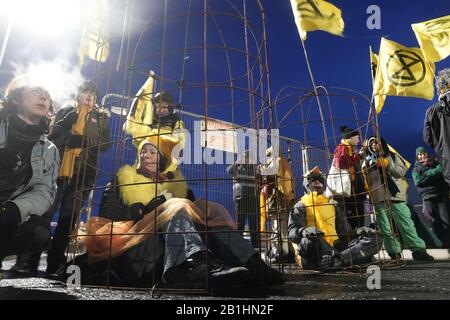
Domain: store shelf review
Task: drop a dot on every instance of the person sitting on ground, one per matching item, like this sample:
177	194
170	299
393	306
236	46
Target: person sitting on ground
433	189
163	236
321	233
29	165
384	173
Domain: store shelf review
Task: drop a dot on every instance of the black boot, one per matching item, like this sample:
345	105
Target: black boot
261	271
202	267
422	255
26	263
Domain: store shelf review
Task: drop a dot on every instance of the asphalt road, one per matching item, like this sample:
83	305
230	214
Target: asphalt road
411	281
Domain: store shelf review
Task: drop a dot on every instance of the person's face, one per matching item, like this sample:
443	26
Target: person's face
162	108
355	140
317	186
35	103
375	146
422	158
86	98
149	159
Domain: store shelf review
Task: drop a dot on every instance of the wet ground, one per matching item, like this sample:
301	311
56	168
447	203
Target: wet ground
411	281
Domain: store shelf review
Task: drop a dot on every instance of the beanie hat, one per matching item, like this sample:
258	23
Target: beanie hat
163	97
420	150
315	174
348	133
88	85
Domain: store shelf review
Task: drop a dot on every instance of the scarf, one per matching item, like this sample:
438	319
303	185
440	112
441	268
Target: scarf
351	149
70	155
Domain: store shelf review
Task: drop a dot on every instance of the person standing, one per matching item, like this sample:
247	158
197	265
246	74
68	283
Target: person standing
433	189
80	131
346	157
436	129
384	171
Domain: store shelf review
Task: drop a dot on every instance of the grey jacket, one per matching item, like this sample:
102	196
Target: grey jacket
379	192
36	197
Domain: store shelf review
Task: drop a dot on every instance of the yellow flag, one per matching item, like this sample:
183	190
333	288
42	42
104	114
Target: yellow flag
94	41
140	116
311	15
378	99
403	71
407	163
434	38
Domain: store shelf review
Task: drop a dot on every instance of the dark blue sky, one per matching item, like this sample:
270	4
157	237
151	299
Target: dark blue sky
344	62
335	61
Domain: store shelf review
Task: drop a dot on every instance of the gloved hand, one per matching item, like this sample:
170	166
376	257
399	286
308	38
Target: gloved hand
68	121
154	203
9	215
382	162
312	232
137	211
74	141
365	231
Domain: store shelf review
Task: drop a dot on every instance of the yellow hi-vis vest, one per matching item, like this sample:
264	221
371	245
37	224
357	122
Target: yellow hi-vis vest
320	214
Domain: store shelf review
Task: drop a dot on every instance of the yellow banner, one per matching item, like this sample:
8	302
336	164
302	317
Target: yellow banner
434	38
311	15
403	71
94	41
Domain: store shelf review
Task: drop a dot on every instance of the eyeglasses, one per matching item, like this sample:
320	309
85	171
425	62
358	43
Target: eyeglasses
38	92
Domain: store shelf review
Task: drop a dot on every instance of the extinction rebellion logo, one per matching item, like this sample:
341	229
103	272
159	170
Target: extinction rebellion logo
405	68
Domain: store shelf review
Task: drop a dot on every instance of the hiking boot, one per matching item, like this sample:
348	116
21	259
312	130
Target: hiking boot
261	271
202	267
422	255
26	263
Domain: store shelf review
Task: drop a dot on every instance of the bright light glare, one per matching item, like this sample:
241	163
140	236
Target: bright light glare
44	17
59	77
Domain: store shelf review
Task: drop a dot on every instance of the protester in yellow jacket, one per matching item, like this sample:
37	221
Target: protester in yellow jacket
322	237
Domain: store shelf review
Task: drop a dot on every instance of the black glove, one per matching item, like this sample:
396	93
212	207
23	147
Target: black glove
365	231
68	121
74	141
9	215
137	211
154	203
311	232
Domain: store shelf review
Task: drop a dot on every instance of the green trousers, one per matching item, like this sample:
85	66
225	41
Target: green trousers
405	226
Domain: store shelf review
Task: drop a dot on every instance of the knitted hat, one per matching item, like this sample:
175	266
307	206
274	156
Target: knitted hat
163	96
348	133
315	174
88	85
420	150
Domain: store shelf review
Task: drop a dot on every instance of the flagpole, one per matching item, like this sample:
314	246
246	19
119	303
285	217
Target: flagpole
373	83
5	40
327	146
125	21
